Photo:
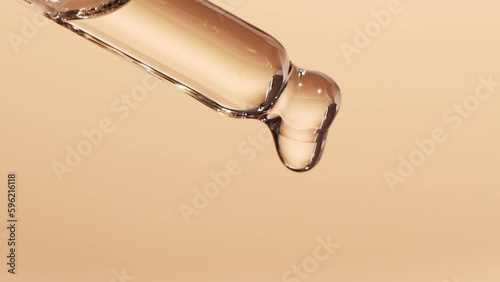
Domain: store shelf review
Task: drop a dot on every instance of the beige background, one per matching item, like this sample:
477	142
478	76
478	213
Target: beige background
119	210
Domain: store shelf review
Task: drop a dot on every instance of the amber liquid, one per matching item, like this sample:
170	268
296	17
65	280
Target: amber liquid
219	59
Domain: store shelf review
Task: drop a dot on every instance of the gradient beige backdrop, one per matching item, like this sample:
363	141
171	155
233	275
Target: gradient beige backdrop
116	217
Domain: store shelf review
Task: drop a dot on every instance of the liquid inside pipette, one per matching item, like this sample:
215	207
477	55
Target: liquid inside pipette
217	58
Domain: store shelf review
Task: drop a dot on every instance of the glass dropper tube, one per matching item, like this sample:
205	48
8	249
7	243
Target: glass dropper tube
217	58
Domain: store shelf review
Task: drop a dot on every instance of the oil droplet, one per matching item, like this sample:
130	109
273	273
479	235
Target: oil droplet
301	117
